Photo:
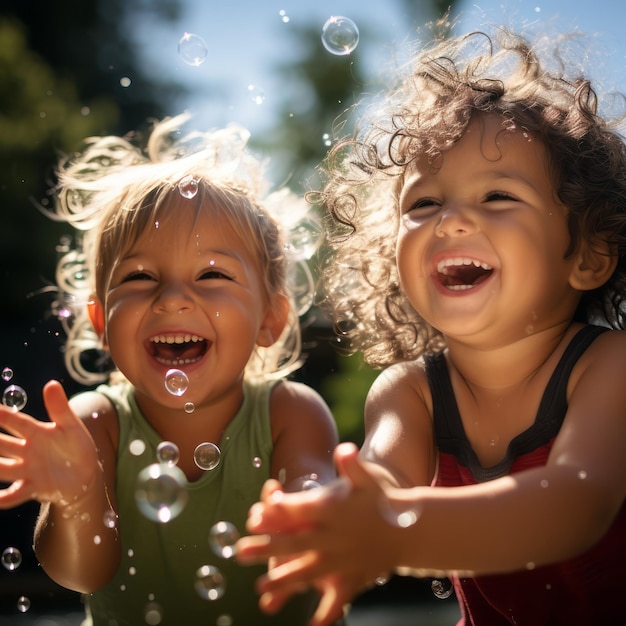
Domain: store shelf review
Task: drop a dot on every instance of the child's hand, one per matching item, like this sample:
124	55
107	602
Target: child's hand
52	461
332	537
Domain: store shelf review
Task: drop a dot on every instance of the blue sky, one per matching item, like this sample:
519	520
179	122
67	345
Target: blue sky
246	39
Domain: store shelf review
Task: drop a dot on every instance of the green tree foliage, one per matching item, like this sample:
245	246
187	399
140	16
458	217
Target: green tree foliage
63	74
323	90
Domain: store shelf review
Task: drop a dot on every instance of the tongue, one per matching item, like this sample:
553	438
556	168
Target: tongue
173	351
464	275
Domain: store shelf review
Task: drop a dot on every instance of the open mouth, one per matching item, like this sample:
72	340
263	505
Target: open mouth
462	273
177	350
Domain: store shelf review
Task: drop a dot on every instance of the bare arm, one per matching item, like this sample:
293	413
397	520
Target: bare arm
62	465
305	436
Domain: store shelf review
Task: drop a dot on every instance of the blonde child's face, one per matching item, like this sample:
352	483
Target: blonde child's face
482	238
186	296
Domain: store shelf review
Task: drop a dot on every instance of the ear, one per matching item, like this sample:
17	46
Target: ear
274	321
95	310
595	263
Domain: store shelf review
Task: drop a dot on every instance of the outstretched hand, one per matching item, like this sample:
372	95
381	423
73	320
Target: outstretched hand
335	538
52	461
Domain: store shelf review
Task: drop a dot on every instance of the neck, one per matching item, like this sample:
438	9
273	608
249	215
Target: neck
506	365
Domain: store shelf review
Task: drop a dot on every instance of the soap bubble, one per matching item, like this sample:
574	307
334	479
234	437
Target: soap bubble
188	187
207	456
340	35
11	558
161	492
14	397
137	447
222	539
23	604
153	614
167	452
442	588
176	382
7	374
109	519
210	583
193	49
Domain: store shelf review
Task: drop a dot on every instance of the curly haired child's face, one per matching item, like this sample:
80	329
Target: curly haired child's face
188	296
482	238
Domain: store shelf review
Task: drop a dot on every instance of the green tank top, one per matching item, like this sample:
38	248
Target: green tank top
156	580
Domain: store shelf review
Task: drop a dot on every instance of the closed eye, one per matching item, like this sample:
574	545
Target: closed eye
424	203
214	274
495	196
136	276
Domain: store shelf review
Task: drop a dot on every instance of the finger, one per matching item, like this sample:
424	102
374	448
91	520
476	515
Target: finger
11	470
11	447
329	609
270	488
17	423
57	404
14	495
249	550
350	465
291	576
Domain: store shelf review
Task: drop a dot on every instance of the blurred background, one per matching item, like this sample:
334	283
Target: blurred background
75	68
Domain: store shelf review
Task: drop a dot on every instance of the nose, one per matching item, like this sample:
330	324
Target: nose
456	221
173	297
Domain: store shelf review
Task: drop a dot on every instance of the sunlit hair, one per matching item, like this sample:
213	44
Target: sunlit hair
424	116
116	190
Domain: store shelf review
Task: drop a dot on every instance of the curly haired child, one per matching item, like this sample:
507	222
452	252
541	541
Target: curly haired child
478	230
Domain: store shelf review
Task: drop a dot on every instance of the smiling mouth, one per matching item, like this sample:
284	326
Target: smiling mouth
177	350
462	273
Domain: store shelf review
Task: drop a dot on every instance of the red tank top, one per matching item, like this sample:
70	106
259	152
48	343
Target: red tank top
585	591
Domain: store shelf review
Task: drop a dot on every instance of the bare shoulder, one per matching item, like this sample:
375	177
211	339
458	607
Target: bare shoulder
406	381
99	416
293	400
606	356
399	427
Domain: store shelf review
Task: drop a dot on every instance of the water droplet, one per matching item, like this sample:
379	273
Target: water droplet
11	558
257	462
256	95
168	452
189	407
222	539
582	474
7	374
176	382
97	539
23	604
109	519
340	35
14	397
442	588
207	456
193	49
188	187
309	484
161	492
210	583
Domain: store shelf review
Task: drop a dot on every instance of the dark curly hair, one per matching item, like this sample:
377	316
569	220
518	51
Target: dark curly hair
426	114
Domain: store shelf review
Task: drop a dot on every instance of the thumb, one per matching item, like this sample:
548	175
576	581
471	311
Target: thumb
56	403
350	466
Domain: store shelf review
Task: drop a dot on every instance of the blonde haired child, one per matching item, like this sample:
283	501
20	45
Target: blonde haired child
188	274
